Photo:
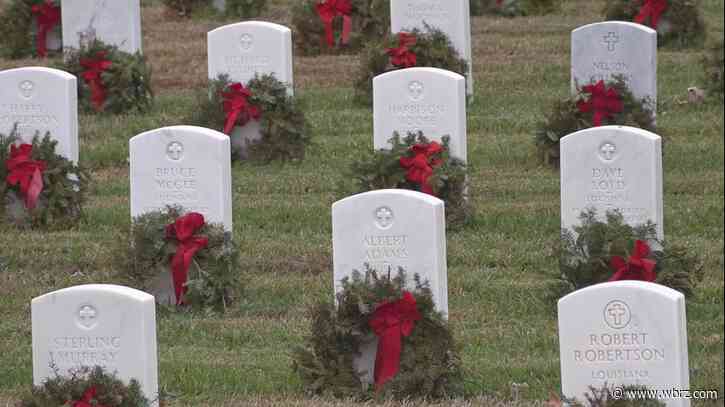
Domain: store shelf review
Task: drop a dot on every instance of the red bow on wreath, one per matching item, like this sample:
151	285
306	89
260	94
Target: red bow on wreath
27	173
237	107
652	9
94	68
183	231
328	10
402	56
47	16
639	267
420	165
390	322
86	399
603	102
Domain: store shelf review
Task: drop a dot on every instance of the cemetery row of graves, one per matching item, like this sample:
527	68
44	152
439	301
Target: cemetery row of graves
198	210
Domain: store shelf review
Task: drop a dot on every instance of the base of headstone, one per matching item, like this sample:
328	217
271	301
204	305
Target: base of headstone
243	136
364	363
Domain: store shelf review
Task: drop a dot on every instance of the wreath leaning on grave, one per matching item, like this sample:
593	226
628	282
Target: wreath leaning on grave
25	26
417	164
232	8
678	23
86	387
38	187
229	105
181	259
429	48
416	356
110	80
714	64
514	8
338	26
594	105
598	251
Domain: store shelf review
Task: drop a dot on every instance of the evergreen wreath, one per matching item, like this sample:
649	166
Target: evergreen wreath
598	251
678	23
110	80
86	387
284	130
25	25
38	187
600	104
514	8
429	48
428	364
417	164
714	63
338	26
232	8
199	258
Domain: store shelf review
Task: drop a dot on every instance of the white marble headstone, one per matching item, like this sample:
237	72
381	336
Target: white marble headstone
623	334
182	165
41	99
602	50
420	99
453	17
244	49
115	22
96	325
612	167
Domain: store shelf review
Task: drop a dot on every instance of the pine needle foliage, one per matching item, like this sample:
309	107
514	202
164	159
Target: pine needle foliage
680	26
714	63
284	128
233	8
433	49
17	29
60	204
381	169
565	118
110	391
127	81
514	8
585	253
429	365
370	20
214	273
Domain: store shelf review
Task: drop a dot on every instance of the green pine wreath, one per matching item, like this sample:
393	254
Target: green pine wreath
586	252
284	128
565	118
17	29
429	363
86	387
127	81
145	261
233	8
514	8
382	169
432	48
65	184
680	26
370	21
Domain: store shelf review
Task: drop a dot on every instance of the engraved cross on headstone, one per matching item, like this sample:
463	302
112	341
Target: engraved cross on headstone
612	39
608	151
174	150
616	312
87	315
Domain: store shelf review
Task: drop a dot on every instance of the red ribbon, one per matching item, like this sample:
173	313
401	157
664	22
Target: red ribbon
47	16
237	107
327	11
390	322
652	9
27	173
402	56
420	165
94	68
603	102
639	267
87	399
187	245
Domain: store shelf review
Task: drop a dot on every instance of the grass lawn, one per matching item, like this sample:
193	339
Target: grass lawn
499	267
